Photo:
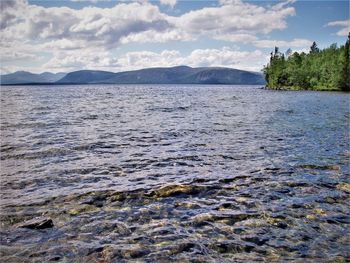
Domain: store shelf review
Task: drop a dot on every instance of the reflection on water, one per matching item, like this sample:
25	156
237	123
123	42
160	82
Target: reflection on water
184	173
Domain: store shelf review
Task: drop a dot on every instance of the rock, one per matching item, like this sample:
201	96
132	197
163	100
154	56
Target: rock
344	187
229	218
311	217
338	259
329	200
73	212
277	222
319	211
36	223
282	225
81	209
203	217
172	190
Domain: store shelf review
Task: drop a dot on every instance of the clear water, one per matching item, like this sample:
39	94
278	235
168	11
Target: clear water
182	173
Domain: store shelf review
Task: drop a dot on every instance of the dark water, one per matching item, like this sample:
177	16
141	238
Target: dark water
174	173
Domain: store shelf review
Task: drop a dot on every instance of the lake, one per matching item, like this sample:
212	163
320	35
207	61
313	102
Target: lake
174	173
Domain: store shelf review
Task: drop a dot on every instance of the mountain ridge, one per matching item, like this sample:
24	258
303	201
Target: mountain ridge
23	77
157	75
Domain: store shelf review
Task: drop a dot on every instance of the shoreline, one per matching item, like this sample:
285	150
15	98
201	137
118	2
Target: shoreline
301	89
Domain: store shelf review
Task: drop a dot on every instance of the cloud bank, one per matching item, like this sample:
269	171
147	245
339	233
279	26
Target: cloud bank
87	37
223	57
344	24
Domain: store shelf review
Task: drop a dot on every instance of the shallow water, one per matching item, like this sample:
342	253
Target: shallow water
174	173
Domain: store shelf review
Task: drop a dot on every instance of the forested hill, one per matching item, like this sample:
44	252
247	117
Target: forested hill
326	69
173	75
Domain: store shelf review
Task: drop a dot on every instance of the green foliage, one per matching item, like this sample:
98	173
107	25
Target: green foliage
327	69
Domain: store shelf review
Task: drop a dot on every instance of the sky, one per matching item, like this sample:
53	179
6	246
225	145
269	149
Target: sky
119	35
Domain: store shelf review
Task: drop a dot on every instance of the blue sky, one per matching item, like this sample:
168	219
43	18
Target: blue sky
117	35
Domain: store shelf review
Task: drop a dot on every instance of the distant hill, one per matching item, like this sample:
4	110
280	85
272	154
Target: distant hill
86	77
174	75
52	77
22	77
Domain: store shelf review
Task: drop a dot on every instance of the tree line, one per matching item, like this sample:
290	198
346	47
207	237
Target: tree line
326	69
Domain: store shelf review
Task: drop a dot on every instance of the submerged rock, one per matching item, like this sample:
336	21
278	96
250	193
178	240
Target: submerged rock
81	209
36	223
344	187
172	190
202	217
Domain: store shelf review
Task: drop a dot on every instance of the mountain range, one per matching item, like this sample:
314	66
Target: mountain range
173	75
24	77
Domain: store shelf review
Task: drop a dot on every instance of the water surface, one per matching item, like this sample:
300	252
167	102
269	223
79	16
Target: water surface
182	173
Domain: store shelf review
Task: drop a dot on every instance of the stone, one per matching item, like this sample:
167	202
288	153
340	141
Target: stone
282	225
311	217
344	187
172	190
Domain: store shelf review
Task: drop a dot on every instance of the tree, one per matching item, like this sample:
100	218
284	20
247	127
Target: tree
314	48
326	69
344	81
334	46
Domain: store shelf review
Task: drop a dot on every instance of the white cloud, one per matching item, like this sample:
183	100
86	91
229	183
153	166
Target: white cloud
339	23
226	57
133	21
243	38
234	18
16	55
159	37
94	59
18	51
86	38
11	12
63	44
229	2
345	24
92	1
102	27
282	4
170	3
90	58
142	59
297	42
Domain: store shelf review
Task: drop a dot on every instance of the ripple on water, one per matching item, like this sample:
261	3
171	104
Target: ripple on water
195	173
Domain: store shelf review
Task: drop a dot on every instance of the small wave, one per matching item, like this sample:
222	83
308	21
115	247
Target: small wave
170	109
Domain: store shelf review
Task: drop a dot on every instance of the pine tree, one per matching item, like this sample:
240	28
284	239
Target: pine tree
314	48
326	69
344	82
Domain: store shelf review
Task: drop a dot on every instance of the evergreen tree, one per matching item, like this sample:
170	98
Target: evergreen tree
327	69
344	81
314	48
